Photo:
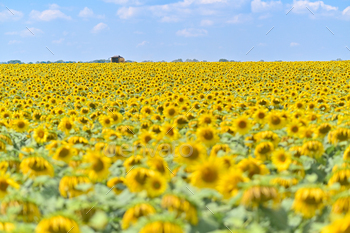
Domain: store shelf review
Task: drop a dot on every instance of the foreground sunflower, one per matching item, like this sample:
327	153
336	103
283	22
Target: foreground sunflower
99	165
309	201
207	135
36	166
57	224
180	205
341	225
135	212
162	226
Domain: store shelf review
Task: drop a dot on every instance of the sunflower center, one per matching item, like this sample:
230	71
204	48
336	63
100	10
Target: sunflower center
282	158
265	150
207	120
208	135
171	111
275	120
107	121
21	125
156	184
342	136
3	185
295	129
41	134
38	167
261	115
324	129
242	124
190	152
148	111
148	138
57	229
209	175
68	125
98	165
311	201
140	178
63	153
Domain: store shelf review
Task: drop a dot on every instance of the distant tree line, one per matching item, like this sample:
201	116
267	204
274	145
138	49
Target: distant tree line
128	61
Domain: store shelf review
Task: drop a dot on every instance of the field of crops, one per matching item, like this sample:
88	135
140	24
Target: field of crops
225	147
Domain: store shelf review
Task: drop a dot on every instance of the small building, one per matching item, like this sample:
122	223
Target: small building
117	59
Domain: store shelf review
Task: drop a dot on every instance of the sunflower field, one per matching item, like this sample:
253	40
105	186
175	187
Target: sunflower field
219	147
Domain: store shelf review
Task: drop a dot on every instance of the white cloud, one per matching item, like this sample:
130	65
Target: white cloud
240	18
58	41
206	22
142	43
88	13
6	15
99	27
293	44
50	14
211	1
25	32
300	6
127	12
14	42
260	6
346	11
192	32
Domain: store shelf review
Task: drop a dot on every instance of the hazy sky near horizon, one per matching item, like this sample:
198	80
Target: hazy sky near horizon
245	30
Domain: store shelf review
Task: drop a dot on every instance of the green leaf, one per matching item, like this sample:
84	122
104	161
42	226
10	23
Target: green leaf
278	218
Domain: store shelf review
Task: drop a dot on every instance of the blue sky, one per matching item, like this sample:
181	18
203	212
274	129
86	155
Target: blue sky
167	30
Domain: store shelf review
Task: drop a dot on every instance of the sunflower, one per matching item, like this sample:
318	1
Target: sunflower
252	166
20	125
219	147
162	226
340	225
5	182
64	153
40	134
341	205
136	179
180	205
263	150
36	166
293	129
190	153
7	226
340	175
99	165
312	149
281	159
28	210
116	183
339	135
156	185
206	119
66	125
242	125
228	185
158	164
260	116
170	112
106	121
286	183
322	130
57	223
207	173
275	120
132	161
170	131
146	136
309	201
207	135
68	186
135	212
259	195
